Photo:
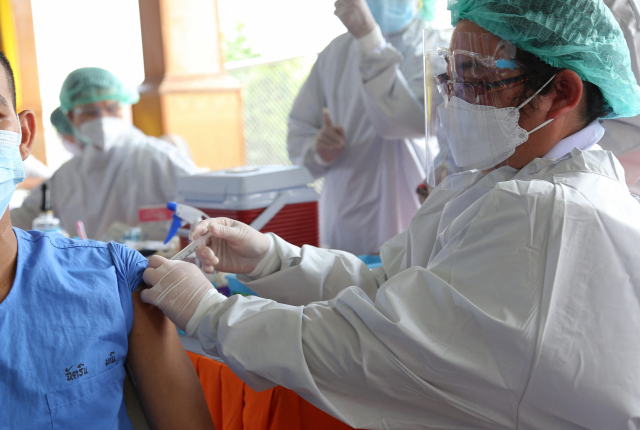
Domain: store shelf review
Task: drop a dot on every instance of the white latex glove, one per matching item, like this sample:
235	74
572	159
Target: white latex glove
233	247
330	140
179	289
356	16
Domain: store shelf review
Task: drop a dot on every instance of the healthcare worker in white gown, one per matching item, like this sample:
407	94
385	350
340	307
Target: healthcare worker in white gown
116	168
358	121
622	135
512	301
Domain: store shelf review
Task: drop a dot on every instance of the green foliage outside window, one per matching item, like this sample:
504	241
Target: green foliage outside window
236	46
268	92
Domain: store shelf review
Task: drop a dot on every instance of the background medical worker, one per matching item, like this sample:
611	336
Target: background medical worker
70	321
71	139
512	299
359	123
120	168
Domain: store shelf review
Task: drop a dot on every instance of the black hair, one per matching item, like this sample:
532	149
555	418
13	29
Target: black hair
11	80
597	107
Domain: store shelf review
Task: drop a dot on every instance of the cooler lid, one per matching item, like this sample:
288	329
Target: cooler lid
243	180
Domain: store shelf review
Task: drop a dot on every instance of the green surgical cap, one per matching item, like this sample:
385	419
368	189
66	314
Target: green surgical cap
580	35
91	85
61	122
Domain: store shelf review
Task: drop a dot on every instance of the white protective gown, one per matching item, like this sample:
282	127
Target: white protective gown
101	187
512	304
377	96
623	134
34	168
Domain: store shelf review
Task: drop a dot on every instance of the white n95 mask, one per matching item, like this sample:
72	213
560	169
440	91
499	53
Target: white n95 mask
11	167
104	132
481	137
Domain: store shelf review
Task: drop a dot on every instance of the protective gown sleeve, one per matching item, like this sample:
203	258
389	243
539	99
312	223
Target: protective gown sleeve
305	121
393	91
165	166
444	347
311	274
23	216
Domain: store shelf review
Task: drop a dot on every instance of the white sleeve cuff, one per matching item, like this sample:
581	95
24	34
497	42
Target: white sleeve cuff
372	42
319	160
210	299
269	264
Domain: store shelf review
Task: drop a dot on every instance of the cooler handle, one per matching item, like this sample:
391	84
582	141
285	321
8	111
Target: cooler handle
270	211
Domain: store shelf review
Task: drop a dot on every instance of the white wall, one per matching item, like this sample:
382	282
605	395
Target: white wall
71	34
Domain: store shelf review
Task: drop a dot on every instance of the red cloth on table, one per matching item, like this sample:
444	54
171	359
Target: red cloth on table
235	406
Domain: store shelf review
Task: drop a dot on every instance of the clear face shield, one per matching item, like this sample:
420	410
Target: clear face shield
473	85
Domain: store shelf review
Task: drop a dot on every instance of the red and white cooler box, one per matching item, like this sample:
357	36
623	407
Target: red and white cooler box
272	199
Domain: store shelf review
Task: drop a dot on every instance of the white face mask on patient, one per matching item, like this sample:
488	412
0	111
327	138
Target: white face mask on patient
11	166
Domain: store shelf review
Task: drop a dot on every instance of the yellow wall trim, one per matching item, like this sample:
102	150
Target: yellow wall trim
9	46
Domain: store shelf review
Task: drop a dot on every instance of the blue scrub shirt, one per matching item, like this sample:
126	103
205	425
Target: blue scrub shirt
64	328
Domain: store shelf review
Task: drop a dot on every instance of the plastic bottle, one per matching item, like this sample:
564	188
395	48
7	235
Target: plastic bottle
46	221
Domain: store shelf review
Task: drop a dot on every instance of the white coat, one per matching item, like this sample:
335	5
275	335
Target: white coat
369	191
511	304
101	187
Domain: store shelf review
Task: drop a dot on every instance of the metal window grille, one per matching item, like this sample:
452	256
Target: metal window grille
269	90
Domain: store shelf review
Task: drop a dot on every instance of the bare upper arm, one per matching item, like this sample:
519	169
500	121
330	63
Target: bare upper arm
165	380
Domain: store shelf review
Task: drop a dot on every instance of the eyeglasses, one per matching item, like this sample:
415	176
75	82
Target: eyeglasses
488	61
471	91
98	110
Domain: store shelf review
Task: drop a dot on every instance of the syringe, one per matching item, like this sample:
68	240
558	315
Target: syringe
190	249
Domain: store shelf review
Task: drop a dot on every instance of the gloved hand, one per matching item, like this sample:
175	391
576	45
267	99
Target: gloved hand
233	247
330	140
356	16
177	289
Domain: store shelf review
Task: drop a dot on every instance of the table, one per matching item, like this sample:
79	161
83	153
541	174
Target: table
235	406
